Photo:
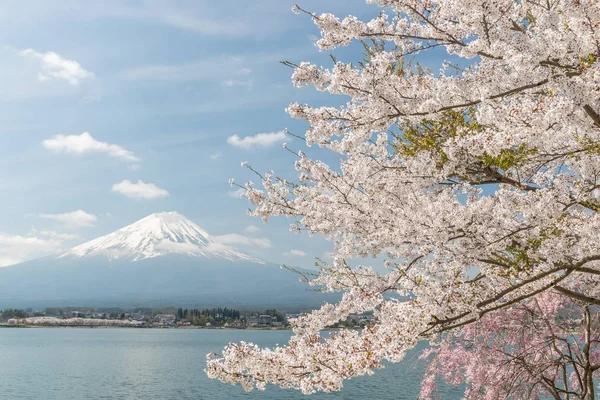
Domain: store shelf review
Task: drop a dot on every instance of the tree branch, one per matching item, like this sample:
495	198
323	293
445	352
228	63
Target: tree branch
577	296
593	114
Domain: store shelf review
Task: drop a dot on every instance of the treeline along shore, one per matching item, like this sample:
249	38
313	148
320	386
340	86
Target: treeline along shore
167	317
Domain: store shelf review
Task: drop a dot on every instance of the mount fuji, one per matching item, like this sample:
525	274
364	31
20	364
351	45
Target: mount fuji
163	259
157	235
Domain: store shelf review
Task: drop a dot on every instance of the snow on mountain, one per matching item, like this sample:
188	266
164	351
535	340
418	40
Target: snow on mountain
158	235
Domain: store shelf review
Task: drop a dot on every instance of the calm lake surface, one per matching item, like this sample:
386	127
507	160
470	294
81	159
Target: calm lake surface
71	363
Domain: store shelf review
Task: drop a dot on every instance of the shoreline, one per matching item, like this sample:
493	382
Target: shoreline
9	326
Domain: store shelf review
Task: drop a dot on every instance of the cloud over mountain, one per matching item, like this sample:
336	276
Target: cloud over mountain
74	219
295	253
53	66
17	248
237	239
85	143
139	190
258	140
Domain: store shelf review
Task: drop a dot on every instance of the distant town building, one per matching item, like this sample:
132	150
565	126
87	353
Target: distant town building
265	320
259	320
165	319
138	317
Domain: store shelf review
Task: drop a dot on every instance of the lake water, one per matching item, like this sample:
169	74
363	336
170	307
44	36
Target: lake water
71	363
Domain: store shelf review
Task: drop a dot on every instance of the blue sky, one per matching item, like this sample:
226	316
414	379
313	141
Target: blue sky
159	86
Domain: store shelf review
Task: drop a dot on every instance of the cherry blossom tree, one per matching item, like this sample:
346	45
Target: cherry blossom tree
478	186
548	348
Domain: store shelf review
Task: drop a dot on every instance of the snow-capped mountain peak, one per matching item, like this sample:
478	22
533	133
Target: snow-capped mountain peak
158	235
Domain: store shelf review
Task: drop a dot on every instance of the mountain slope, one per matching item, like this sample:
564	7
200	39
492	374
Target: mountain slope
161	260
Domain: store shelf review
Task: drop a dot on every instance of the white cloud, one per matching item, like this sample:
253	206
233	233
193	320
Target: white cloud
236	194
295	253
55	235
140	190
258	140
248	83
74	219
8	260
215	156
15	248
85	143
237	239
213	247
251	229
56	67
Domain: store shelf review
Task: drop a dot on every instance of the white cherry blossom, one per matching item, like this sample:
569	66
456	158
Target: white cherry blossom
479	186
